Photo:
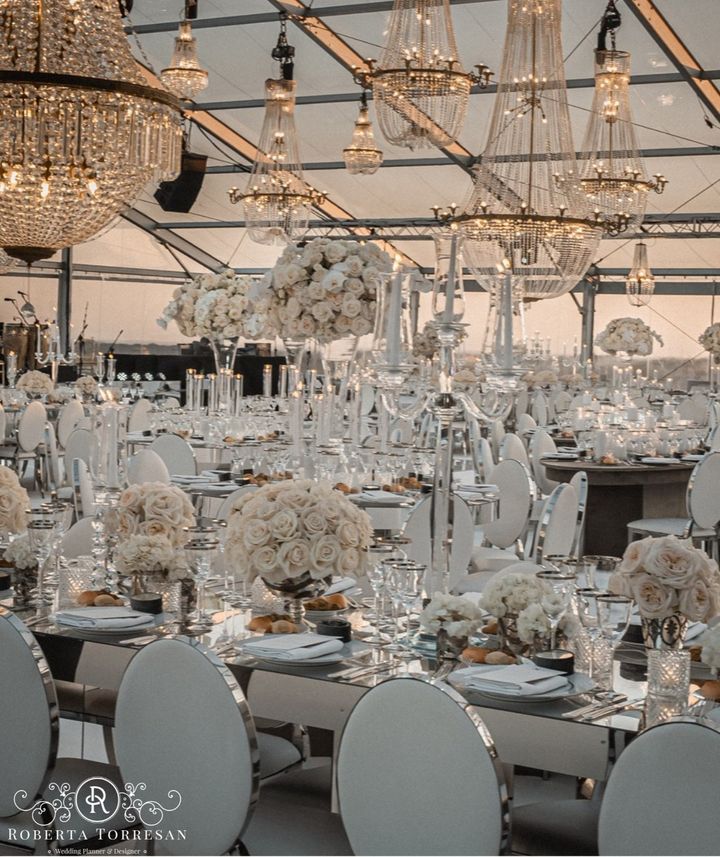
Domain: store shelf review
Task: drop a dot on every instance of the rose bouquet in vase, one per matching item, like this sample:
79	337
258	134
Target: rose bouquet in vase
14	502
452	619
20	556
627	335
295	535
671	582
35	384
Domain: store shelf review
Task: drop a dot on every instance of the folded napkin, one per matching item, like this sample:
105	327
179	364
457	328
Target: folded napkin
341	585
103	617
485	488
188	480
293	647
387	498
514	680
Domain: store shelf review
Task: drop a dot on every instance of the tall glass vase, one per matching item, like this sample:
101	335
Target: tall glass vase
337	359
295	354
224	351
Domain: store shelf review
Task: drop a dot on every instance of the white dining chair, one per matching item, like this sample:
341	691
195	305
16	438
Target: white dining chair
561	400
525	425
541	445
539	408
84	444
177	454
77	541
3	425
406	786
512	447
486	459
418	528
226	507
30	434
83	491
70	415
556	529
661	797
496	434
581	485
139	416
702	500
147	466
199	747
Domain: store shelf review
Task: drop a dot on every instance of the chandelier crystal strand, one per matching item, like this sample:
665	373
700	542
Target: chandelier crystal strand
640	284
419	85
185	77
362	156
527	213
81	132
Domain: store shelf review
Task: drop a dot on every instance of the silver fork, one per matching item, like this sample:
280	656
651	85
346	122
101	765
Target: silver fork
602	699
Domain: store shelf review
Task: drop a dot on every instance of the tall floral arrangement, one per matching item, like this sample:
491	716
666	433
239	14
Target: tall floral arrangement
35	383
326	289
627	334
286	529
710	340
14	502
220	306
149	521
668	575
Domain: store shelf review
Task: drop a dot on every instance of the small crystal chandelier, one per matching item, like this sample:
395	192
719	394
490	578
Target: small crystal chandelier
362	156
277	200
612	173
81	132
420	88
185	77
640	283
526	214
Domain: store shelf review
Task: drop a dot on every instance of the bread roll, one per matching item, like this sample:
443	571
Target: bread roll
695	652
105	600
710	690
321	603
499	658
337	601
491	627
475	654
87	598
282	626
260	623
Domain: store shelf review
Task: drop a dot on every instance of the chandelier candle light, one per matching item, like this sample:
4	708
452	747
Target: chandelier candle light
81	132
185	76
362	156
640	284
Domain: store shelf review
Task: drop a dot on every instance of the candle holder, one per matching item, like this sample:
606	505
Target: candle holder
11	369
54	358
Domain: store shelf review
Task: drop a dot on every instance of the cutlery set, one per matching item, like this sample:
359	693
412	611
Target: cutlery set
612	704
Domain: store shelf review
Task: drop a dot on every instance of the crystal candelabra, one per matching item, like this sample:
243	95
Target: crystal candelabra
54	357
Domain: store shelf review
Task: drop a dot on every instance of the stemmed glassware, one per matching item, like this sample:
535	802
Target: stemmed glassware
613	612
586	607
378	567
200	550
557	599
405	582
41	533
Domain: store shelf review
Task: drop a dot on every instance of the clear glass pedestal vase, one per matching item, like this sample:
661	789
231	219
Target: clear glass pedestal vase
224	352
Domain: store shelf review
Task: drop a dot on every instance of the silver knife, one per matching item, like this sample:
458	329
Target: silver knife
612	709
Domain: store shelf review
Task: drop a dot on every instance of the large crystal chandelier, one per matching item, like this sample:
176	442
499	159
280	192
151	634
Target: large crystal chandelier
419	86
277	200
80	131
612	172
362	156
526	214
185	76
640	283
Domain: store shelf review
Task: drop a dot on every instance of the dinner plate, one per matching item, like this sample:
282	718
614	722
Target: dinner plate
353	649
562	456
577	683
651	459
319	615
110	633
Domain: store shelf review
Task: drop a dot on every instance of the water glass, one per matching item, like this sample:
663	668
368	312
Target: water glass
669	673
597	570
614	613
557	599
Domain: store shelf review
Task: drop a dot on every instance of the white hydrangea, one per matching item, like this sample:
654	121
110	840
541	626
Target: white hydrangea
630	335
457	615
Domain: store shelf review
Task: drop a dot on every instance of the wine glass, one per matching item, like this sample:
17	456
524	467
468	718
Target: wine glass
587	613
556	598
598	569
41	532
200	551
408	577
377	576
613	612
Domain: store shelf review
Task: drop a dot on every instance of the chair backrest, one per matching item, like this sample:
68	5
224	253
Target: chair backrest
516	495
525	424
83	492
83	444
522	401
661	796
147	466
497	433
52	461
539	408
223	513
70	415
139	416
513	447
28	716
177	454
485	457
703	493
197	749
418	527
407	787
77	541
556	530
581	485
540	446
561	401
31	427
713	439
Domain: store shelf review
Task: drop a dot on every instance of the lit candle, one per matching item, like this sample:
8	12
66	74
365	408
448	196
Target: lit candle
111	368
283	381
238	385
100	365
394	321
199	391
267	380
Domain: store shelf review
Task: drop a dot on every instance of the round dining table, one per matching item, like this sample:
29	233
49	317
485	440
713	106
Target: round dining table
621	493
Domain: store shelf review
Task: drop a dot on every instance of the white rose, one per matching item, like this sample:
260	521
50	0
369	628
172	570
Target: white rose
673	563
294	557
264	560
325	553
634	556
256	532
697	602
284	525
653	599
351	307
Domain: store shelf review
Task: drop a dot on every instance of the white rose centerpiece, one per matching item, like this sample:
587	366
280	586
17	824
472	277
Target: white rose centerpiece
710	340
14	502
325	290
452	619
295	535
35	383
671	582
629	335
86	387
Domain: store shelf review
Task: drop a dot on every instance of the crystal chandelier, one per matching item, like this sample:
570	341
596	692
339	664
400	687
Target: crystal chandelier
419	86
526	214
185	76
277	200
362	156
640	283
80	131
611	170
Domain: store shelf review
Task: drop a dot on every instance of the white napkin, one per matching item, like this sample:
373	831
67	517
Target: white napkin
103	617
485	488
188	480
513	680
293	647
385	497
341	585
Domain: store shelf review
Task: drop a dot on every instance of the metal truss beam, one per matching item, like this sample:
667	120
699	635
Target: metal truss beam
342	97
677	52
